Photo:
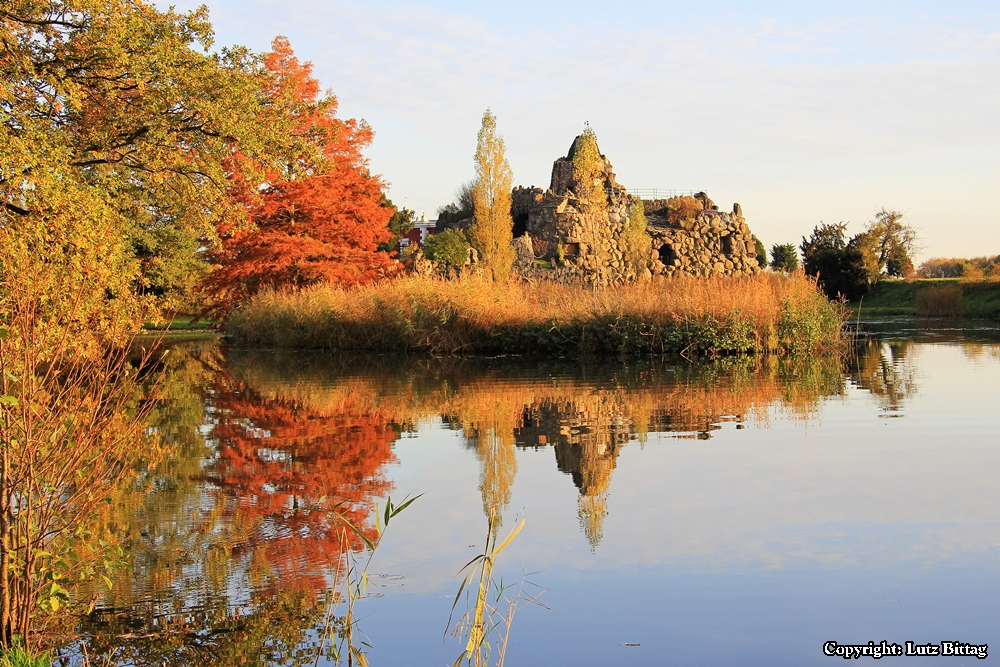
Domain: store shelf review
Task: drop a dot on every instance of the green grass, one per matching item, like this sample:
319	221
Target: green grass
899	297
18	657
181	322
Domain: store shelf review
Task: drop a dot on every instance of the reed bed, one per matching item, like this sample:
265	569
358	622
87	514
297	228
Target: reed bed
940	301
763	312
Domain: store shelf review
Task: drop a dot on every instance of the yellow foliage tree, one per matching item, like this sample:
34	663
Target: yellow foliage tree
492	227
589	178
637	242
588	171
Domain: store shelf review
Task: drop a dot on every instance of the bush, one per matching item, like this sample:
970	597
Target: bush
637	241
448	247
683	208
761	252
943	301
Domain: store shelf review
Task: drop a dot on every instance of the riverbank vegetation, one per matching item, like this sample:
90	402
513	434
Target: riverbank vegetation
763	312
942	297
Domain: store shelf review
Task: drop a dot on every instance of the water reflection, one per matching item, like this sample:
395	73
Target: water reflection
232	537
886	369
586	412
210	576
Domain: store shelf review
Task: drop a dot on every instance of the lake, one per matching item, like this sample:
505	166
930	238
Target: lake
739	511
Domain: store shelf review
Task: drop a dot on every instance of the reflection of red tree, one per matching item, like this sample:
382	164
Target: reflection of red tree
285	469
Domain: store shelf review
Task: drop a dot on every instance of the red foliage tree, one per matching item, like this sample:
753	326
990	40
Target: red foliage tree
287	470
321	219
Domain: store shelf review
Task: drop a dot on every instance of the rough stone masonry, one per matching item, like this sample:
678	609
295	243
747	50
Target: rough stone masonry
587	243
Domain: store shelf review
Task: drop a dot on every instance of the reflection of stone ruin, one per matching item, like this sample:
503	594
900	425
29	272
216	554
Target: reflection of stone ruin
558	226
587	443
588	433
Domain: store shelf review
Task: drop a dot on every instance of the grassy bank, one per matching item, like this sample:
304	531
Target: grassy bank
942	297
180	323
684	315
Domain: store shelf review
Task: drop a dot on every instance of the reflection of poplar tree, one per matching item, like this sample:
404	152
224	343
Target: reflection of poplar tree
596	465
499	469
491	430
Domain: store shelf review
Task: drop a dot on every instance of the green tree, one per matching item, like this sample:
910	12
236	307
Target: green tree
117	121
761	252
784	258
448	247
400	223
492	227
458	213
887	246
837	265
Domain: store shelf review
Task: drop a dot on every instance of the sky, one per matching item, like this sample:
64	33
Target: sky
801	112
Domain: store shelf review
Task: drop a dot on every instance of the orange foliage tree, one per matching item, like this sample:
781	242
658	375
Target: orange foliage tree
321	218
287	472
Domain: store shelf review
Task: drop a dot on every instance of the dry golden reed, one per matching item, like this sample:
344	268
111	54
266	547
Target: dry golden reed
943	301
696	315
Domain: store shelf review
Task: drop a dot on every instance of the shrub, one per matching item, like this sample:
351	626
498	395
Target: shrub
540	246
637	241
448	247
943	301
761	252
683	208
972	273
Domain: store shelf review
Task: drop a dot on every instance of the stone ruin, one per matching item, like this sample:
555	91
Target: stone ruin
587	243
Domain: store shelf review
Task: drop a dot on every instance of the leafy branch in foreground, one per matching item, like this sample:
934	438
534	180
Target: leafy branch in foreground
72	429
493	614
350	584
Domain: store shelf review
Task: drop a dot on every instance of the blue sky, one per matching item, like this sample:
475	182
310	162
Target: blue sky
799	111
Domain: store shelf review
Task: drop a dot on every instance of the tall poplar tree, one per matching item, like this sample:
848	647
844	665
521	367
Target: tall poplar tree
492	227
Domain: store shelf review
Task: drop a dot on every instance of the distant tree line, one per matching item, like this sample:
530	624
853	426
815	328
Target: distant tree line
975	268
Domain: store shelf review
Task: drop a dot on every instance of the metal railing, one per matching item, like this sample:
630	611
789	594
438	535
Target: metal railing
659	193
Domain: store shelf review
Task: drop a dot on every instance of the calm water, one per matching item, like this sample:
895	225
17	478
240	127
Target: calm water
738	512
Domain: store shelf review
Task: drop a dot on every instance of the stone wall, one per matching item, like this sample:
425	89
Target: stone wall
585	239
422	266
710	243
